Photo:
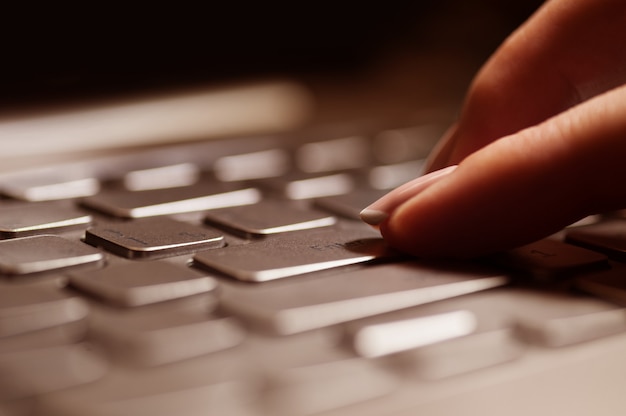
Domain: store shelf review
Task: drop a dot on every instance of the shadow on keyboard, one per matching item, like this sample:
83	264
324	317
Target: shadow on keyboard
235	278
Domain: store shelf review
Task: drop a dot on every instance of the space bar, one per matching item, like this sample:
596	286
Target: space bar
322	301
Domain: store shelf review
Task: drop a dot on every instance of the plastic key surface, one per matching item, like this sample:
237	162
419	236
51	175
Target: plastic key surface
156	202
36	254
22	220
321	301
268	217
295	254
153	238
136	284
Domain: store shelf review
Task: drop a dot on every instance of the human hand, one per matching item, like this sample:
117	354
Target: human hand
541	141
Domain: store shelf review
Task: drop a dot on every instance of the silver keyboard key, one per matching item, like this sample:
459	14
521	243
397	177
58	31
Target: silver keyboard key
43	253
268	217
162	177
331	155
608	237
316	388
215	384
377	339
549	259
33	372
300	187
559	319
296	254
22	220
606	284
351	204
152	238
148	337
156	202
321	301
50	184
137	284
27	308
442	339
256	165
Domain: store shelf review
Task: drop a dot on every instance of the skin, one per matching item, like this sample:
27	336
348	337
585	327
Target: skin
540	143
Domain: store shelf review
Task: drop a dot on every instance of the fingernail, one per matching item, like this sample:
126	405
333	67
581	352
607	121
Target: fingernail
380	210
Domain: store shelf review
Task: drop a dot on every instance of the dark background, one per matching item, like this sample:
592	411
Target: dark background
52	53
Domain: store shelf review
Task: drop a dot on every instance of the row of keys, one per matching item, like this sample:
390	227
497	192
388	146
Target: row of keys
238	160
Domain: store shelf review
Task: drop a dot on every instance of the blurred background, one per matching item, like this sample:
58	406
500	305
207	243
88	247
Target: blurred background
359	58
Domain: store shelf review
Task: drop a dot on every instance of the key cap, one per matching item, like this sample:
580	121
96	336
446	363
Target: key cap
27	308
316	388
349	205
387	177
145	337
156	202
33	372
137	284
607	284
442	339
152	238
607	237
323	301
299	187
331	155
50	184
403	144
43	253
223	399
377	339
294	255
215	384
162	177
256	165
548	259
22	220
557	320
266	218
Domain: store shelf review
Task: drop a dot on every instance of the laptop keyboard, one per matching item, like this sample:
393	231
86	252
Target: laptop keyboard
235	278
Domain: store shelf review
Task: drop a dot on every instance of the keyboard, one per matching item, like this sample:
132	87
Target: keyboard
234	277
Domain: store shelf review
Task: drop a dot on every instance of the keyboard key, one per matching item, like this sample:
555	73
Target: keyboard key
557	320
442	339
266	218
349	205
296	254
152	238
607	237
299	187
27	308
460	355
155	202
145	337
607	284
377	339
331	155
22	220
162	177
50	184
403	144
321	301
40	371
387	177
137	284
263	164
316	388
548	259
43	253
212	384
223	399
